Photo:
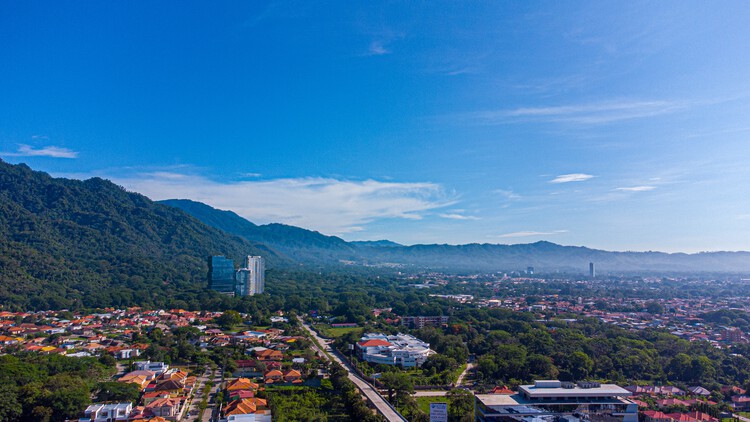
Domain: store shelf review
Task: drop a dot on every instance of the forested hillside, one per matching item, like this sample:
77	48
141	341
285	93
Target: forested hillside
71	244
303	245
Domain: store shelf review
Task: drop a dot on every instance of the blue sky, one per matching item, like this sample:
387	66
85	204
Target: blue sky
614	125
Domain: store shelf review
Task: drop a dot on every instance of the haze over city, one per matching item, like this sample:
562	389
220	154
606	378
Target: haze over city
620	126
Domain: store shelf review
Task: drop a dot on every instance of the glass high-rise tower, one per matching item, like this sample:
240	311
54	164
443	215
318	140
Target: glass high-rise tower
221	274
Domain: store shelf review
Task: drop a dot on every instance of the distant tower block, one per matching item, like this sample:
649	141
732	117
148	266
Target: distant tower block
530	270
592	270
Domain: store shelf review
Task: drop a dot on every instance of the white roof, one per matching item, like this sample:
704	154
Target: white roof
604	390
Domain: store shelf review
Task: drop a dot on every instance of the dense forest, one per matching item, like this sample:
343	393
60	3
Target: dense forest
75	244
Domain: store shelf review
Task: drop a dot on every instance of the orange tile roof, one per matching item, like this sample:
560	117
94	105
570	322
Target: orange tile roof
242	384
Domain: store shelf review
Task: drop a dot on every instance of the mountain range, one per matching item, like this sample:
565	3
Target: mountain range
315	248
70	243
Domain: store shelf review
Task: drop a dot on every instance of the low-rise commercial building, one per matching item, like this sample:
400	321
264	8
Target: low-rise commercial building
402	349
553	401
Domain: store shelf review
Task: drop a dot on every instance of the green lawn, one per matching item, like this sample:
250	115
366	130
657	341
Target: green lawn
327	331
424	402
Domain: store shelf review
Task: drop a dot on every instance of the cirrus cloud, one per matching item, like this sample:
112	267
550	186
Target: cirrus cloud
48	151
574	177
636	188
529	234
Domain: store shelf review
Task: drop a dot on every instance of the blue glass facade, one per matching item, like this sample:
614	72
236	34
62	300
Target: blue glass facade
221	274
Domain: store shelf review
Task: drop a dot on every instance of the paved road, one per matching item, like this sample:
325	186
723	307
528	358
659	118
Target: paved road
742	418
192	414
208	413
368	390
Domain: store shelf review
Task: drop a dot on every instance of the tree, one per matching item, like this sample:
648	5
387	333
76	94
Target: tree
654	308
10	408
397	382
580	365
460	402
118	391
229	319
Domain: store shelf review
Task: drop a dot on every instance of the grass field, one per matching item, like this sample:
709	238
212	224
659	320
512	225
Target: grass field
424	402
327	331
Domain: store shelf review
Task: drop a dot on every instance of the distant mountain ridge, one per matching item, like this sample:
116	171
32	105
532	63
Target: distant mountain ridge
313	247
300	244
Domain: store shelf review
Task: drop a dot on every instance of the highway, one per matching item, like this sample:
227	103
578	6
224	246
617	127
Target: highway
382	406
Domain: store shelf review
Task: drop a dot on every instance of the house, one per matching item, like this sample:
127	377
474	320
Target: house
273	376
671	402
172	387
741	403
146	365
269	354
242	384
734	390
152	396
168	407
692	417
245	406
241	394
107	412
248	368
293	376
127	353
5	340
655	416
699	391
141	378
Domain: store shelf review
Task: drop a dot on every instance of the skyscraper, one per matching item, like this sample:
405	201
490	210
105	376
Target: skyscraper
221	274
592	271
251	279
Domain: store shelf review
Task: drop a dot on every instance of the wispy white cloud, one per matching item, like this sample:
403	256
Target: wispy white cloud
593	113
329	205
530	234
48	151
251	175
508	193
458	216
377	49
635	188
381	41
574	177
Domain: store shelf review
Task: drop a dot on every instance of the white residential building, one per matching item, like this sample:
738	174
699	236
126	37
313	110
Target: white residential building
107	412
251	279
147	365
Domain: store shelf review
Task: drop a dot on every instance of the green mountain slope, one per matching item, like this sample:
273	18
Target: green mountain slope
300	244
68	243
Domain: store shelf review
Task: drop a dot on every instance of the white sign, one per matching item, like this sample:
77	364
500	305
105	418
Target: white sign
438	412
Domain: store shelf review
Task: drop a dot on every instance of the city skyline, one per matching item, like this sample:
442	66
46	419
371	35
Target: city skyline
612	126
